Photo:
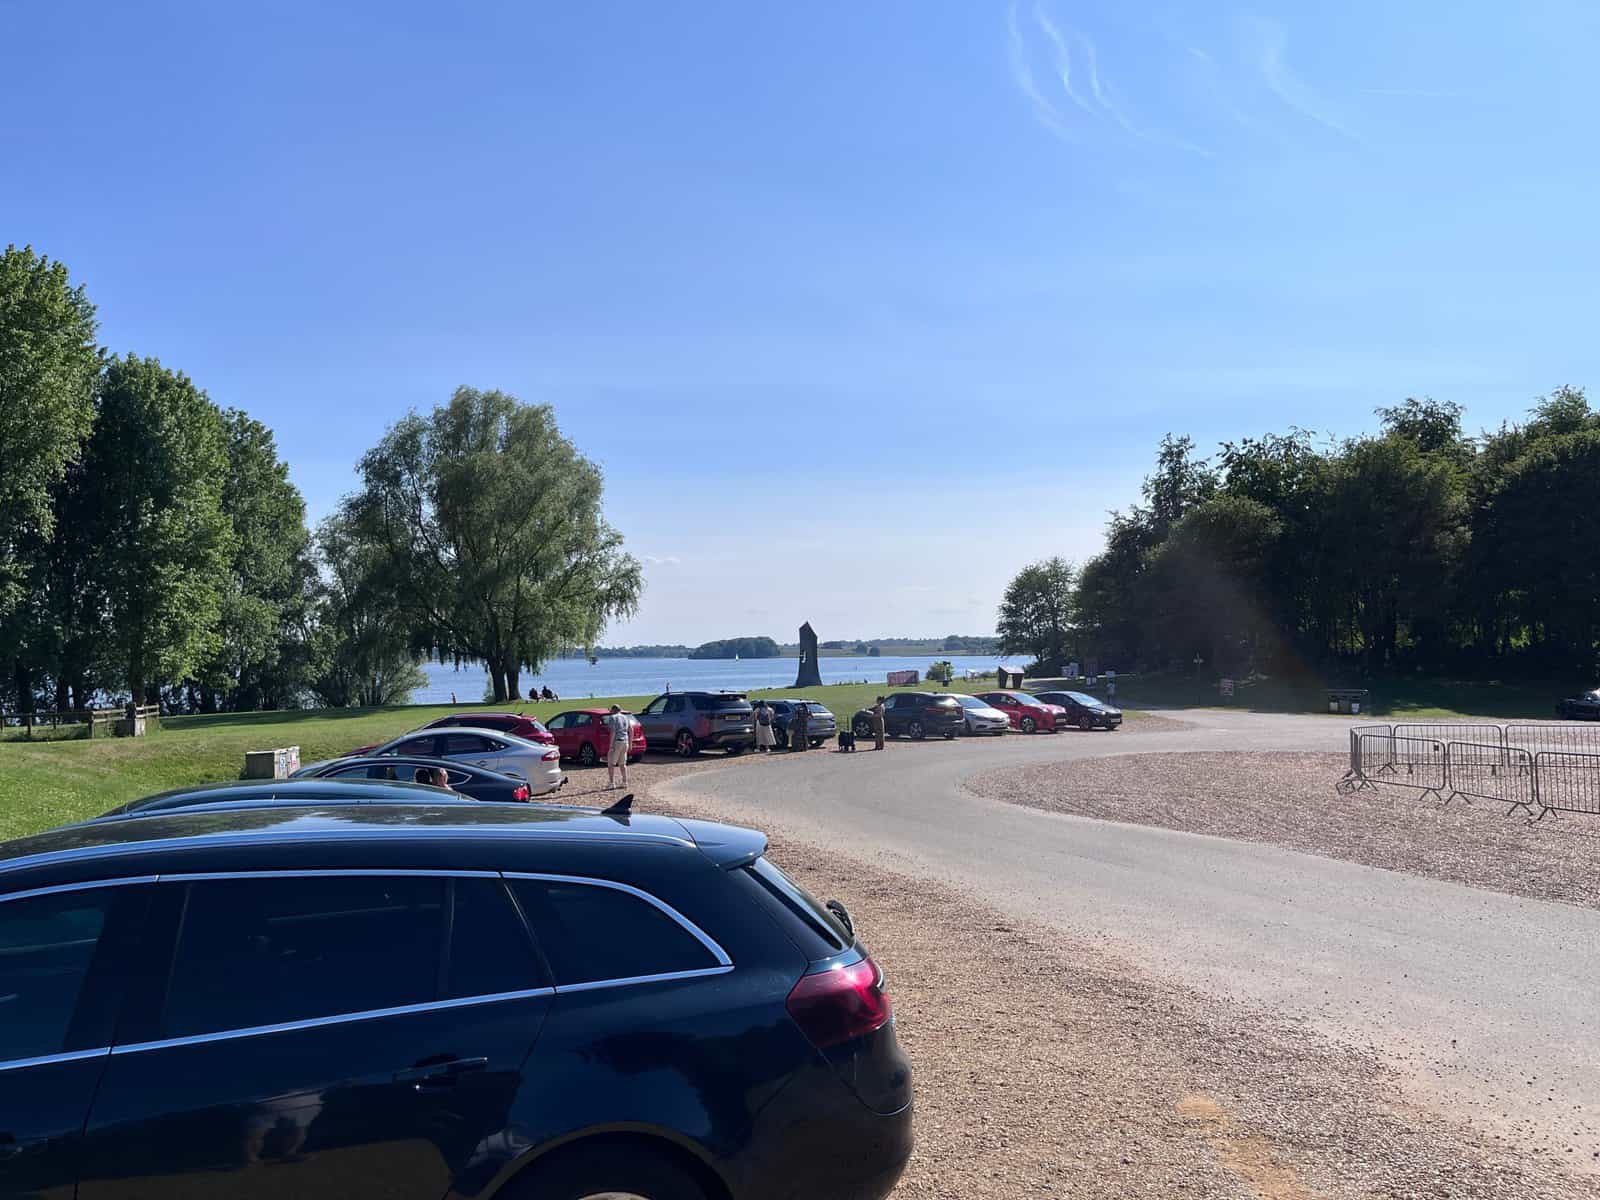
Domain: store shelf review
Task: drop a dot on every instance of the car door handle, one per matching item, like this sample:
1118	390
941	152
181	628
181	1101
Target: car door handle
430	1076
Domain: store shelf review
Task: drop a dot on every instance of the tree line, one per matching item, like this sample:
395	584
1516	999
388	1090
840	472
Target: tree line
152	545
1413	548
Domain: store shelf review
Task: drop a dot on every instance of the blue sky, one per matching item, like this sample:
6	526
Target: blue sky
860	306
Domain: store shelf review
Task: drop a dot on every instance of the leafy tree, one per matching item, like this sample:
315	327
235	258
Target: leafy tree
1210	584
494	543
1036	614
739	647
48	366
261	658
153	477
942	671
360	653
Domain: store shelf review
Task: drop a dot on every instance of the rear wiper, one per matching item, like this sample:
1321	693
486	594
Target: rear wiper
843	913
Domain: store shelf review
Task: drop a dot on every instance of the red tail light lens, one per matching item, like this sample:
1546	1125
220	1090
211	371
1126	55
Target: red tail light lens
551	756
840	1004
520	792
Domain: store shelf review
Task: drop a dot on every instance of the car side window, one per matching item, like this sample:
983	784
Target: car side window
467	743
490	951
46	946
255	952
675	704
559	722
590	933
582	720
656	707
422	747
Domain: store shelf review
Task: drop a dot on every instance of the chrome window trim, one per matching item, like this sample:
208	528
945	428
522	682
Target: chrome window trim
281	836
664	977
371	1014
45	1060
326	872
689	927
81	886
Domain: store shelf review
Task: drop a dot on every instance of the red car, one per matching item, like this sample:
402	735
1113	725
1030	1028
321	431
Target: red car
529	729
581	733
1027	713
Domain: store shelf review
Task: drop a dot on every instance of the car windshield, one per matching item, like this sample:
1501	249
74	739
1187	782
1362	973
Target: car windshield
1029	701
815	709
718	703
1080	698
970	702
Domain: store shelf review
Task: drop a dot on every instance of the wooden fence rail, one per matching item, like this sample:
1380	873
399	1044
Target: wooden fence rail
100	721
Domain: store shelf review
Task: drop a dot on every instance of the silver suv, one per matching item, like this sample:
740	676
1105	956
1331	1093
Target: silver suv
688	722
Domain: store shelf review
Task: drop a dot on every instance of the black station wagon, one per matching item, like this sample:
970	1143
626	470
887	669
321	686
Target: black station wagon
421	1002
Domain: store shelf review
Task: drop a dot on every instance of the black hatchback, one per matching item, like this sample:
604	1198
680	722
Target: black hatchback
915	715
410	1002
1083	710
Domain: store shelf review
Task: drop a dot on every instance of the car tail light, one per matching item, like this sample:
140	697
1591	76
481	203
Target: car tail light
520	792
551	756
840	1004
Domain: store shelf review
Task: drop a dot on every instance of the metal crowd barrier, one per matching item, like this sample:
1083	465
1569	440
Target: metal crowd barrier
1490	771
1523	765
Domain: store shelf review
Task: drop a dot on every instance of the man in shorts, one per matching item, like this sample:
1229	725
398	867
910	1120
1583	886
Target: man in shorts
620	726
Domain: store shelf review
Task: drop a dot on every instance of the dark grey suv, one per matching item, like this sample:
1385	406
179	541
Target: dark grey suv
689	722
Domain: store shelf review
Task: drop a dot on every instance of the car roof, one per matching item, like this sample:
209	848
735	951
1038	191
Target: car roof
272	835
503	716
407	760
433	731
352	791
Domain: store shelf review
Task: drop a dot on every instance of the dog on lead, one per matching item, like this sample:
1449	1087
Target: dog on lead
847	741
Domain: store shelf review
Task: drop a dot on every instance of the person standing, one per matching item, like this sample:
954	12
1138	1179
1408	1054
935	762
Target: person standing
799	719
877	724
620	726
766	740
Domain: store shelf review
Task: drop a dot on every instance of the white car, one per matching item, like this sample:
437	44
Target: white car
981	717
503	752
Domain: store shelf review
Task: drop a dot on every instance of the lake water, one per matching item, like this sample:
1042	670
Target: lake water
576	678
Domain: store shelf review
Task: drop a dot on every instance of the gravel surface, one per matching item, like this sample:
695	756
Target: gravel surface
1288	800
1046	1067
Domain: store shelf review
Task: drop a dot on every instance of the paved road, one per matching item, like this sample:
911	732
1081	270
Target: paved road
1487	1002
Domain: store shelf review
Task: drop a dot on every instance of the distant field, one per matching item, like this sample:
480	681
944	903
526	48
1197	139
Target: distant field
45	782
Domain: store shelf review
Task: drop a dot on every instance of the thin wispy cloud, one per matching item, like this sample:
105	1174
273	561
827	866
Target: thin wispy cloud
1102	100
1282	81
1063	56
1022	72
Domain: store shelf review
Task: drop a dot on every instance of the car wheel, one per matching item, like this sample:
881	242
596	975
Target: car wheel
587	755
609	1173
780	738
914	728
950	736
862	729
816	742
1028	725
686	744
1086	723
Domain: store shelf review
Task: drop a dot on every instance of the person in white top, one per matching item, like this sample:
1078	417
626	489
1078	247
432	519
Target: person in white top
620	726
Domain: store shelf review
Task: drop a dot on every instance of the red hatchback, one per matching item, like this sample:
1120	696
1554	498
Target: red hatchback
581	733
1027	713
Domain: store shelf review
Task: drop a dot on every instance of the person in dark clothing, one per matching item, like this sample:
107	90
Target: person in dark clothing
798	720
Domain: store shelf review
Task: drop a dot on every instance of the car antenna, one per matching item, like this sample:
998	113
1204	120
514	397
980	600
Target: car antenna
621	808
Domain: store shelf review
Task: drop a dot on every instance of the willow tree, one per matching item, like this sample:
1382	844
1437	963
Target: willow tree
492	535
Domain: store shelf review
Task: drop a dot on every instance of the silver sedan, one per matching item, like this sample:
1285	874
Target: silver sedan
981	718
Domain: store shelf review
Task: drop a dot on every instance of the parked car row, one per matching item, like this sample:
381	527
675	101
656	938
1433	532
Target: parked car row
924	714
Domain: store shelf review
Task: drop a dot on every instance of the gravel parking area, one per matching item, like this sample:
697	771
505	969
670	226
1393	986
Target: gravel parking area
1047	1068
1288	800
